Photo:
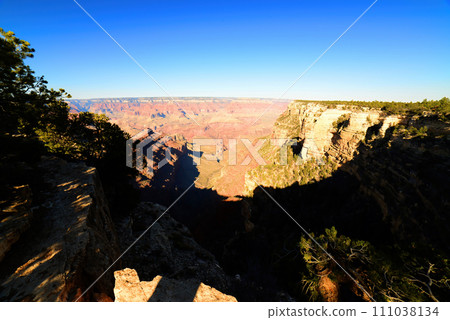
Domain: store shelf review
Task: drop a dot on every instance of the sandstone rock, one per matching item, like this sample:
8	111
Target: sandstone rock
314	126
71	242
328	289
207	294
129	288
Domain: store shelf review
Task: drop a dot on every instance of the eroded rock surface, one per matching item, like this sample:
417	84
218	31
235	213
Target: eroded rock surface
317	126
70	243
129	288
321	132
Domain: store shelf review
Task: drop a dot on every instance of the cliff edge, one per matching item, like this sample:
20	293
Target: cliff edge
70	242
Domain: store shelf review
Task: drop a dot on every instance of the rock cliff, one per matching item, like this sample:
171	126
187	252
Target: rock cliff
69	243
336	131
324	134
392	193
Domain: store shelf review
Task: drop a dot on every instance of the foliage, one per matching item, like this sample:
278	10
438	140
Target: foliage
439	107
350	254
29	108
25	101
389	274
88	136
342	122
29	111
411	131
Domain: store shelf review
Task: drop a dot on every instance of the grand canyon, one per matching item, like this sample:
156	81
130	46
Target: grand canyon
226	239
196	118
245	183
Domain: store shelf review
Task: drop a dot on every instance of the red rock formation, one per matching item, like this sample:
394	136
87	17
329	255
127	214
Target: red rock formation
210	117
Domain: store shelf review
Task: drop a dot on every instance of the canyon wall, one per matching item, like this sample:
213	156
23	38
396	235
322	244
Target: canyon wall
321	132
55	243
321	135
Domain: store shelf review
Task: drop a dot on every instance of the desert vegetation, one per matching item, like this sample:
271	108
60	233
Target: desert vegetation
438	107
406	277
342	122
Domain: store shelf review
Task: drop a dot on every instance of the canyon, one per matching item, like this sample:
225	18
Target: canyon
196	118
114	197
369	161
374	176
190	117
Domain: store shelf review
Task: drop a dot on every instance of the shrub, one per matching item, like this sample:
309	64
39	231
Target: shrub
342	122
400	276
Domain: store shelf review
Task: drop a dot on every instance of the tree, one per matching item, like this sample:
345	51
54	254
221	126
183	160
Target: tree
29	108
36	118
350	254
387	274
26	104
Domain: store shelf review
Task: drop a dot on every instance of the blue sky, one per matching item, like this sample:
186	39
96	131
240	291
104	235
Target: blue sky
400	50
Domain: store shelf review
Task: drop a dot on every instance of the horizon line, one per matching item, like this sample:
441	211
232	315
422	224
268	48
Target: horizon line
242	98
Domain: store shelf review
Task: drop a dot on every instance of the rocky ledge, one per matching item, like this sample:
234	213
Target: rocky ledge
129	288
70	242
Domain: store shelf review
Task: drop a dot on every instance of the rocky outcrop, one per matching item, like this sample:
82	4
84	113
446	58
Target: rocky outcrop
327	134
15	218
321	133
129	288
71	241
166	248
164	158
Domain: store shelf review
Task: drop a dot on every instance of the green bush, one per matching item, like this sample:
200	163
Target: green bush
342	122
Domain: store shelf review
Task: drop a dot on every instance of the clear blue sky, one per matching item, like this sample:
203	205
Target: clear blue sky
400	50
